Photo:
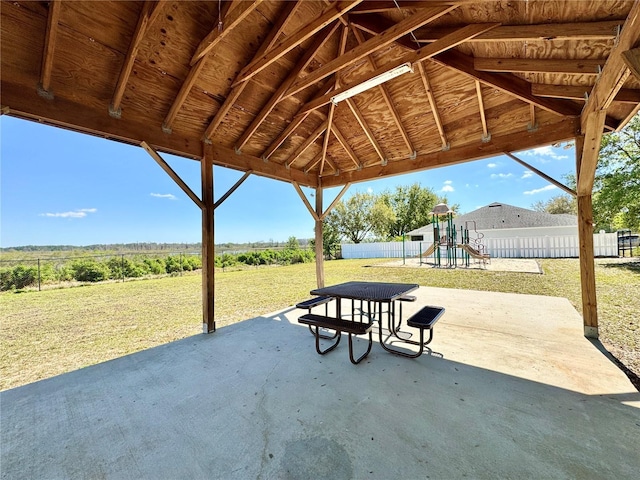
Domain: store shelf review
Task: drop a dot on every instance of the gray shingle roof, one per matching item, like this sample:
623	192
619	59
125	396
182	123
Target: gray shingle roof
501	215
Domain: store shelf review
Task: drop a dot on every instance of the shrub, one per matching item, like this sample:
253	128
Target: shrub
88	270
173	264
155	266
24	276
6	279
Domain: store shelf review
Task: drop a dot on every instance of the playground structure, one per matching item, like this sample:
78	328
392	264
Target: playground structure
445	245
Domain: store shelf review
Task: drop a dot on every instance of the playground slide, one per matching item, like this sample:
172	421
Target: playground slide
430	250
473	252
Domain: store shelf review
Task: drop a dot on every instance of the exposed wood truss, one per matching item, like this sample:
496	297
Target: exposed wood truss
49	47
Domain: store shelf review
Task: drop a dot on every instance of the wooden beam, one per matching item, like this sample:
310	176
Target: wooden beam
148	12
587	267
386	95
327	134
306	31
366	129
615	71
302	64
547	134
230	21
335	201
232	189
632	59
528	65
208	246
319	240
589	161
507	83
343	141
375	6
175	177
588	31
269	41
485	129
305	201
625	95
49	47
434	107
385	38
542	174
304	145
459	36
227	157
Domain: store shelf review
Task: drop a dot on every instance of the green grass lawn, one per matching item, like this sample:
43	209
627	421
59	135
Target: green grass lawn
55	331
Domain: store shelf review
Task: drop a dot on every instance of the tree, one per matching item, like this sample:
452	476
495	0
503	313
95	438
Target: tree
361	215
557	204
411	207
616	199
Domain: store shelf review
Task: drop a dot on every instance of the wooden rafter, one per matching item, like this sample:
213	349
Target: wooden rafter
335	201
236	91
386	95
304	145
614	74
375	6
549	179
231	20
632	59
235	186
486	136
149	13
625	95
345	145
306	201
327	135
302	64
532	33
433	105
528	65
332	13
532	117
459	36
366	129
49	47
375	43
558	132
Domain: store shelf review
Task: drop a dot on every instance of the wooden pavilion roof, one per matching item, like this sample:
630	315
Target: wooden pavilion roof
251	81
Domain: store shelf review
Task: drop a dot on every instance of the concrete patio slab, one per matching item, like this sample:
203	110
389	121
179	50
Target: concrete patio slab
509	389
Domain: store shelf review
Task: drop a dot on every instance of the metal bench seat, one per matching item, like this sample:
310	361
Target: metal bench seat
423	320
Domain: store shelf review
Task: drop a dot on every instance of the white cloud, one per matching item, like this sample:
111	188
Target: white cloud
492	165
169	196
527	174
545	154
79	213
447	182
501	175
447	188
539	190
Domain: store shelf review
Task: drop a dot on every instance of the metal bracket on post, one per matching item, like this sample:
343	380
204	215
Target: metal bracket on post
48	94
207	141
446	147
414	155
115	112
166	129
591	332
532	128
486	138
383	162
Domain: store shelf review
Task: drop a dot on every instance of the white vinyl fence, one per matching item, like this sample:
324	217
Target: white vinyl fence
566	246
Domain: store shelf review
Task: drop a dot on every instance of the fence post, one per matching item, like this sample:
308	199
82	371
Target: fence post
180	263
39	275
122	265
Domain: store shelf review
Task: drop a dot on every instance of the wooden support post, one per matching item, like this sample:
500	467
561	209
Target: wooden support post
319	243
208	244
587	266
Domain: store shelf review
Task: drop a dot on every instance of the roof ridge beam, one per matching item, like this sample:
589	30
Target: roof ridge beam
391	34
335	11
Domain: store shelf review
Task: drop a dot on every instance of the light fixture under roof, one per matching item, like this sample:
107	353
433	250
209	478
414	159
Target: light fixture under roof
372	82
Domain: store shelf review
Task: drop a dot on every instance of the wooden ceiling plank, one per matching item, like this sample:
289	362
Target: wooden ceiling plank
347	148
446	43
587	31
387	98
529	65
433	105
176	178
485	129
303	63
375	43
615	71
335	11
236	91
229	158
564	130
304	145
366	129
231	20
49	47
150	11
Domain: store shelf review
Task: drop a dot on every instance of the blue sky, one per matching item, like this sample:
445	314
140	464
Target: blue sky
64	188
